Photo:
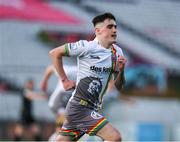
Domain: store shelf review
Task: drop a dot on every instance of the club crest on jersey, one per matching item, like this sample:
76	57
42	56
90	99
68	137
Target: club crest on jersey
96	115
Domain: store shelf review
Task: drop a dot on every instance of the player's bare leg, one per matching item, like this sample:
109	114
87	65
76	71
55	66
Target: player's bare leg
18	132
60	138
109	133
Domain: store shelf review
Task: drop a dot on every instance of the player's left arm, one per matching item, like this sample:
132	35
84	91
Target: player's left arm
120	77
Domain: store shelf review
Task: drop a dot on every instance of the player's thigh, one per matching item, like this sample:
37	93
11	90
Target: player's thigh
108	132
60	138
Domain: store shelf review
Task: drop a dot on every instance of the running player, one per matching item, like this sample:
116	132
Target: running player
98	61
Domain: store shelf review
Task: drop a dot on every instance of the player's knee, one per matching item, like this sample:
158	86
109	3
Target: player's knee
116	136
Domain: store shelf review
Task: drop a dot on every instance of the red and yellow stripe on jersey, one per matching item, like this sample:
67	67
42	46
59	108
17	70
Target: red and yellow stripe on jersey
113	58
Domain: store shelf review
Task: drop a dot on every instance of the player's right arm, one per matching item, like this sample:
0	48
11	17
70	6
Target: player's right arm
75	49
56	55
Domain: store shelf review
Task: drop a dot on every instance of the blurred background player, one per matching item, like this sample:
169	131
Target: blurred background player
59	97
28	122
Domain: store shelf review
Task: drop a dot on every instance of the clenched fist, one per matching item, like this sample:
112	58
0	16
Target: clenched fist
121	62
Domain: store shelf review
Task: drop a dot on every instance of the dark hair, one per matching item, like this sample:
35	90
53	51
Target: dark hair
102	17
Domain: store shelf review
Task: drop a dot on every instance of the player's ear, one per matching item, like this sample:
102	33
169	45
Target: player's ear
97	30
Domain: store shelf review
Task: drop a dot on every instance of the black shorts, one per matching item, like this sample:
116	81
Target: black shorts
80	120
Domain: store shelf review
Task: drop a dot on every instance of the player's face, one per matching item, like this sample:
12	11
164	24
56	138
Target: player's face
30	85
109	31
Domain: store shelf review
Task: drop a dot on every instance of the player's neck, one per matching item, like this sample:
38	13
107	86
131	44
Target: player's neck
103	43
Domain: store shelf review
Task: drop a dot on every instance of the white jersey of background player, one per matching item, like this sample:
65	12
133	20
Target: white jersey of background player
59	97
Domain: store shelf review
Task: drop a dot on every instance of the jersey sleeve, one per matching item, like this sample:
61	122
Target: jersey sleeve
76	48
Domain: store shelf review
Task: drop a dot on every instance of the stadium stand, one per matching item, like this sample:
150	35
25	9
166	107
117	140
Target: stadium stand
148	31
137	21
